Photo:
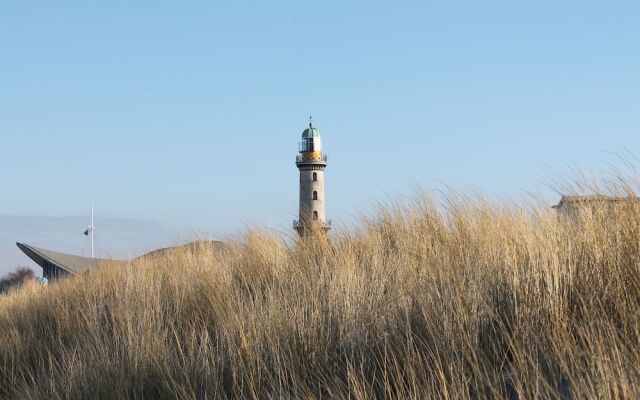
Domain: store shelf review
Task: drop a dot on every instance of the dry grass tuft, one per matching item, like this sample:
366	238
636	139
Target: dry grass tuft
467	300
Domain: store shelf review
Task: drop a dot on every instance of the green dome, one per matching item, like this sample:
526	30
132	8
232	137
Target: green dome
310	132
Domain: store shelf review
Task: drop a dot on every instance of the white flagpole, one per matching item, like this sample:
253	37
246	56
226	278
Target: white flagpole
91	230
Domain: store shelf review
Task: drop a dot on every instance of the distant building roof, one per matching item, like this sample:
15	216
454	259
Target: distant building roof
591	199
68	262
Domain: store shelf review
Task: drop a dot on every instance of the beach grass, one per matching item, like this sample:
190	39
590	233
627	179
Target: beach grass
455	298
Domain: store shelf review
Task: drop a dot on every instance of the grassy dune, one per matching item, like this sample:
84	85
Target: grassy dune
462	300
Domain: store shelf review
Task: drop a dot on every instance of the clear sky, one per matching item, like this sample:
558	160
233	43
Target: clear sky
188	113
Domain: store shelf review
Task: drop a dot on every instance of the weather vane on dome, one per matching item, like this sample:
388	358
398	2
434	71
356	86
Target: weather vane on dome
310	121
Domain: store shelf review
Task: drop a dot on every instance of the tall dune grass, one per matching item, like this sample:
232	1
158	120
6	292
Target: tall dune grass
463	300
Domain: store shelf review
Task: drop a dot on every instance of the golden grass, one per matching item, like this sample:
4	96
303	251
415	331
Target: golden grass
466	300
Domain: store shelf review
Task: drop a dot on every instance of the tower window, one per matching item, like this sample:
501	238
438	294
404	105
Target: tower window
315	195
315	176
315	215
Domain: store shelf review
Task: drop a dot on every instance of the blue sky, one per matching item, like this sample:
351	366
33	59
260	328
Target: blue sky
188	114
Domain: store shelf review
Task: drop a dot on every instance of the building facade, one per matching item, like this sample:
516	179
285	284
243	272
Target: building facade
576	207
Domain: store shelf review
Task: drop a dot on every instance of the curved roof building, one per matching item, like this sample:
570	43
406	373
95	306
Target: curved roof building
56	264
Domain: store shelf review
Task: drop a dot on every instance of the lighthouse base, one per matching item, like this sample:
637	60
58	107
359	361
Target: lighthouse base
311	228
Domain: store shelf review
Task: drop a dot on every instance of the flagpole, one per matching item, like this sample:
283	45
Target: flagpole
91	231
92	228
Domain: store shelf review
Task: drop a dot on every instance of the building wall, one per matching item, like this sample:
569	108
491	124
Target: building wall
52	271
307	186
567	211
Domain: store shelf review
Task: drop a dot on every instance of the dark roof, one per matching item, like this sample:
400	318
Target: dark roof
592	199
76	264
68	262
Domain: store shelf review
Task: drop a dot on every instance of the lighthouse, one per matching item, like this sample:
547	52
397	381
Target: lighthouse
311	163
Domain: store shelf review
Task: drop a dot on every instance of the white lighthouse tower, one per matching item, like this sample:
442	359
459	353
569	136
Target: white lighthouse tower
311	163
